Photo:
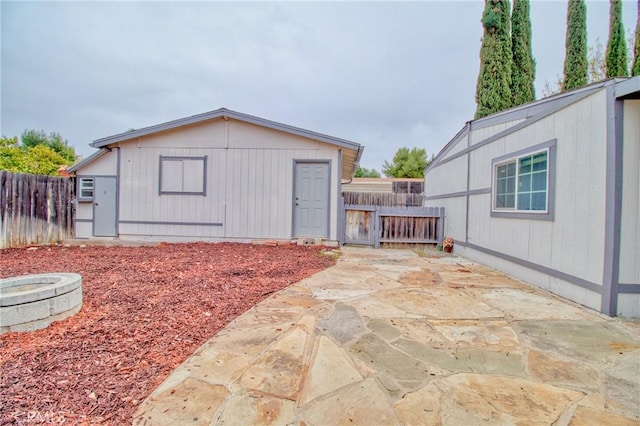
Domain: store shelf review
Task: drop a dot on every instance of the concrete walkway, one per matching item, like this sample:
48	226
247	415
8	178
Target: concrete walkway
388	337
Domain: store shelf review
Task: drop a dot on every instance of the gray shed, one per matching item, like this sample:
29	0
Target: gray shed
549	192
217	176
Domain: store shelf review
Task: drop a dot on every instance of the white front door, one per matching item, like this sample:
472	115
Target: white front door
104	207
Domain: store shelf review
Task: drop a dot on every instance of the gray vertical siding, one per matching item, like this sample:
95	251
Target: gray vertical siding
249	184
564	255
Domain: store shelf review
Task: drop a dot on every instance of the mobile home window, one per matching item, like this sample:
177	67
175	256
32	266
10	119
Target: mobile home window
85	189
183	175
521	184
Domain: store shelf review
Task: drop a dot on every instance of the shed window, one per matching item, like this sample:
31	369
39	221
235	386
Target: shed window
524	183
521	184
85	189
183	175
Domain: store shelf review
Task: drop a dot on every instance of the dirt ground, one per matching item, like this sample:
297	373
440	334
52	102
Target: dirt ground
145	310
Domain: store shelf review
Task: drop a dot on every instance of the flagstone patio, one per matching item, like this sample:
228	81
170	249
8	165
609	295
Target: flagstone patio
389	337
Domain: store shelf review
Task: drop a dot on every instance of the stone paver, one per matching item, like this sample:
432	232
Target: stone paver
388	337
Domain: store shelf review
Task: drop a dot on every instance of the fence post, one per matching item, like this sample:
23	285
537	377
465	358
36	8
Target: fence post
375	217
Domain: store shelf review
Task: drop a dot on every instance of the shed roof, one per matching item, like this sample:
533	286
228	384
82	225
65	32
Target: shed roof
524	115
352	151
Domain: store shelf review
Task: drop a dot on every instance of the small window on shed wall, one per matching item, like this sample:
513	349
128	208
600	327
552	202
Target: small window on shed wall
85	189
183	175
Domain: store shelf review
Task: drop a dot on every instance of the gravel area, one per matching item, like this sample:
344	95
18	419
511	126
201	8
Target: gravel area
145	310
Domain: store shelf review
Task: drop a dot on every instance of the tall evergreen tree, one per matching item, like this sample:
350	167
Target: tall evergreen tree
493	90
575	60
635	67
617	46
523	72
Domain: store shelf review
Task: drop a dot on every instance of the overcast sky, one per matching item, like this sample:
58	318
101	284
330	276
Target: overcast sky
384	74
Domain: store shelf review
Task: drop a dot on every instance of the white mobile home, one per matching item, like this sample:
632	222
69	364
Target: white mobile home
217	176
549	192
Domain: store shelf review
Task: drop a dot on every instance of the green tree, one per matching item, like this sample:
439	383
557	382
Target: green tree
32	138
12	156
43	160
364	172
62	147
36	153
597	67
407	163
635	67
575	61
523	71
617	46
493	89
9	142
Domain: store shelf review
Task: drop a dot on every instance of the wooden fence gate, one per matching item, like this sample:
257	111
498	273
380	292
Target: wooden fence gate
372	225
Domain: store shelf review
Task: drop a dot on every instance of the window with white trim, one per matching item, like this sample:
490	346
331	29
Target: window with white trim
183	175
85	189
522	183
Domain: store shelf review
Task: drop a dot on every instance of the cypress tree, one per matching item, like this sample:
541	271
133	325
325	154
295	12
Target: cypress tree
493	90
523	72
575	60
617	46
635	68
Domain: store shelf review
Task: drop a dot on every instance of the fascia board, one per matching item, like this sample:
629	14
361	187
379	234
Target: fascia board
223	112
120	137
449	146
89	159
531	109
627	87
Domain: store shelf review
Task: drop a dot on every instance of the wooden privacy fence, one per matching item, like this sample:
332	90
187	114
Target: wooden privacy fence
387	199
35	209
373	225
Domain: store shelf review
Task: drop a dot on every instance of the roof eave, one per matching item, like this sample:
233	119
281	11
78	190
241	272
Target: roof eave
628	88
89	159
224	112
169	125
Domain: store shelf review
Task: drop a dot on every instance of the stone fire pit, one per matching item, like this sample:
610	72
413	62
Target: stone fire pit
32	302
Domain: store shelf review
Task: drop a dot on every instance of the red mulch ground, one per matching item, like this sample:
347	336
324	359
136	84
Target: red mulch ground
145	310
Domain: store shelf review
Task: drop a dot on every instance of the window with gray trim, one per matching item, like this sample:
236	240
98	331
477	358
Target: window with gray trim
183	175
85	189
523	183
